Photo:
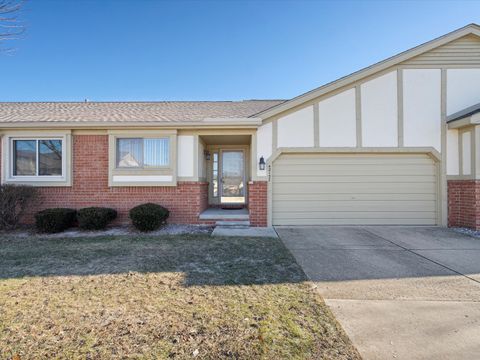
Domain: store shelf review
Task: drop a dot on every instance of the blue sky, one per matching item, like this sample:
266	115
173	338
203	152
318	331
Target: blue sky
209	50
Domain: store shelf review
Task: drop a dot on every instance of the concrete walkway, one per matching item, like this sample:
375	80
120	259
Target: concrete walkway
244	231
399	292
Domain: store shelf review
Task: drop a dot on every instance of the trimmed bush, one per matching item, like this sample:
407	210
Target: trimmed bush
13	201
95	218
55	220
148	217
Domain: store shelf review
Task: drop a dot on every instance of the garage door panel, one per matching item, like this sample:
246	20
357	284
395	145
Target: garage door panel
355	214
332	206
359	197
356	170
356	221
315	189
356	179
360	160
353	188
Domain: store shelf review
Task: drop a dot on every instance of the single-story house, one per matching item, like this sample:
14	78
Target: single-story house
395	143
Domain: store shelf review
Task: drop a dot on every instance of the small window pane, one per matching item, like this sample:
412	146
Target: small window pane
156	152
215	174
50	157
129	152
24	152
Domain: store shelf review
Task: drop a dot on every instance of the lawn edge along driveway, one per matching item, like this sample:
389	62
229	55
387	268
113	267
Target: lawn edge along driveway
161	297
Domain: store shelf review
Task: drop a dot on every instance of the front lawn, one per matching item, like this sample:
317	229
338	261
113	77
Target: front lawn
160	297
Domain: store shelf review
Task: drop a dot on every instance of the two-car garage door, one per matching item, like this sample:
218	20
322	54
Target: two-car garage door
380	189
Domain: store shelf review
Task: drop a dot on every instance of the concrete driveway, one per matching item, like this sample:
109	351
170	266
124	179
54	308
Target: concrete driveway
399	292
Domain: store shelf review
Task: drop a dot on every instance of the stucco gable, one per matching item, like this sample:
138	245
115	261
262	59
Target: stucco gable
469	31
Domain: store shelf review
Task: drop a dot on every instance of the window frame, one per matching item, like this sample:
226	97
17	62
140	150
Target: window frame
142	167
142	176
35	178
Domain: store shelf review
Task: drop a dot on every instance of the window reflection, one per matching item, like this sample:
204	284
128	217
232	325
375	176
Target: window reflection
25	157
215	174
50	157
37	157
146	153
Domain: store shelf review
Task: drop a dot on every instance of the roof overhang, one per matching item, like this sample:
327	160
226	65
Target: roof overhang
378	67
469	120
466	117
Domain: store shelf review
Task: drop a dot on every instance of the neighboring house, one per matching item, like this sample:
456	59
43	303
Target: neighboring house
395	143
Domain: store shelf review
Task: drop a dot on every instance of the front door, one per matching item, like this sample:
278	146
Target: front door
232	180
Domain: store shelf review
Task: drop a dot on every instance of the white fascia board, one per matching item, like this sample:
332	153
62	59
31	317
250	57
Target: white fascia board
212	122
475	118
466	121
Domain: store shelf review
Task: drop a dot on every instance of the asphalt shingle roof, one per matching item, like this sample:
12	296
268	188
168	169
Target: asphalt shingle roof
118	112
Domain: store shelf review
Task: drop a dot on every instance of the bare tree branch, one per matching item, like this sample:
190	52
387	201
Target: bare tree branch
10	26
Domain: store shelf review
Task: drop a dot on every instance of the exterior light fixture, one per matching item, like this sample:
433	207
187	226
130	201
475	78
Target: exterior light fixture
207	154
261	163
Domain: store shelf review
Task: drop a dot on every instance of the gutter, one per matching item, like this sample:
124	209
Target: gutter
205	123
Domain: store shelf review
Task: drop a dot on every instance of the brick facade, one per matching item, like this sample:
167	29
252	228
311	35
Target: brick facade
464	203
188	199
257	203
90	187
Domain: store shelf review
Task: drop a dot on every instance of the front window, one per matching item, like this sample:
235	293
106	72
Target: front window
37	157
143	152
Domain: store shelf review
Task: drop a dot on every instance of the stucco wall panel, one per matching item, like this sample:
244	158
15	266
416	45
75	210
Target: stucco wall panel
467	153
337	118
185	155
453	163
463	89
296	129
202	164
264	145
422	107
380	111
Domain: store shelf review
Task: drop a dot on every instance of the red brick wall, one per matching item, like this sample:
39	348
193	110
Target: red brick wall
257	203
464	203
90	187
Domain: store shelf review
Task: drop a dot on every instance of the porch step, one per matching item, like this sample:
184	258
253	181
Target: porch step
233	224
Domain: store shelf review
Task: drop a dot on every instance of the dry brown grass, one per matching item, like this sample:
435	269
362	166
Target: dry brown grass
169	297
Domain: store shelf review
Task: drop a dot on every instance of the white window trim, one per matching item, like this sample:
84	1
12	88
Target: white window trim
35	177
37	180
142	176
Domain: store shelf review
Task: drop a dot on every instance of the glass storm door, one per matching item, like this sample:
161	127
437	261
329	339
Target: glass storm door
233	177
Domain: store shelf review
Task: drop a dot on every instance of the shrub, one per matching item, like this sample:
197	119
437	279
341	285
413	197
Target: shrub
95	218
13	201
54	220
148	217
